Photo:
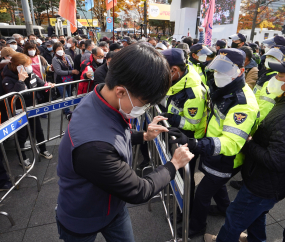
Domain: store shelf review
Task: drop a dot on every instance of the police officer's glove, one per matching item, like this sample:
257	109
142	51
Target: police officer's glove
173	119
182	138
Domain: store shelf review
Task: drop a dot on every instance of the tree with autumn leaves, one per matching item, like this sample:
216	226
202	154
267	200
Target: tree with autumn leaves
259	14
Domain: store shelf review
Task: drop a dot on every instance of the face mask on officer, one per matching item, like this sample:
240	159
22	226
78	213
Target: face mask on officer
237	44
135	112
275	85
270	59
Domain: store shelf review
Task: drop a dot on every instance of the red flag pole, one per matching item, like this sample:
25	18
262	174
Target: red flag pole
113	21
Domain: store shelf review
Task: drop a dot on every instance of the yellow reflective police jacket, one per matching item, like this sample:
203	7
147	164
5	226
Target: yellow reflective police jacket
187	98
198	69
234	114
266	76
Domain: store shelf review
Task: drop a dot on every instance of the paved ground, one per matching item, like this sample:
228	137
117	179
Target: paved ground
34	214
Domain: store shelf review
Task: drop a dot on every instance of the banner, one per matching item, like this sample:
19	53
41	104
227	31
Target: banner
85	23
159	11
208	23
67	10
109	4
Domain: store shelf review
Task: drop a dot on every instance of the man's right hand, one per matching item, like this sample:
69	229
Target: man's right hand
181	156
89	75
76	72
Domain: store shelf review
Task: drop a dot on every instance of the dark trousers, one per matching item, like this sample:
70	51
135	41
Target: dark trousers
209	187
3	175
23	135
247	211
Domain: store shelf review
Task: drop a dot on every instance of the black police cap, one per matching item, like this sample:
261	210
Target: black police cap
196	48
235	55
279	40
280	67
221	43
174	56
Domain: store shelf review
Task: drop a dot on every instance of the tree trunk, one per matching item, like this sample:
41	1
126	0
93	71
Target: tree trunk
254	20
145	19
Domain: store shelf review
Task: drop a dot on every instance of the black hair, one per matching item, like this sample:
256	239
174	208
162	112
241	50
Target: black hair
81	43
150	81
88	43
213	55
110	54
262	51
188	41
31	35
195	41
62	35
182	67
54	35
248	51
114	46
56	45
103	44
257	42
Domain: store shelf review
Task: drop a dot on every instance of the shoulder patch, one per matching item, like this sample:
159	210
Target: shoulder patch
192	111
239	118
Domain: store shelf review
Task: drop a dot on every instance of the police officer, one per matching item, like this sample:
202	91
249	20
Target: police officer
234	112
265	98
198	57
238	40
220	45
185	102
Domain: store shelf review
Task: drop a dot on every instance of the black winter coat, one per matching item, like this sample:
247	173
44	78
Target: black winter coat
99	75
263	170
11	83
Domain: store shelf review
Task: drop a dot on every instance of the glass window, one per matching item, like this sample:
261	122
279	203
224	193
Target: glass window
266	35
4	32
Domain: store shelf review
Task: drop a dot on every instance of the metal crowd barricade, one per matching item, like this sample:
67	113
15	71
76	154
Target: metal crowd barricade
52	106
9	128
160	154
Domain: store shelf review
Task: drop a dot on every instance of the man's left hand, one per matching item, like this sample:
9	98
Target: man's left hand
153	129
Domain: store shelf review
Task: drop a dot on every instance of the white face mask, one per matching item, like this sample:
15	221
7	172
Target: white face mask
274	86
270	59
202	58
22	42
221	79
14	47
135	112
31	52
100	61
105	53
29	69
59	52
54	40
68	45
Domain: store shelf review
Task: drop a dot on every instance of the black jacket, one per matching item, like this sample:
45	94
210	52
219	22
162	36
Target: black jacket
263	171
100	74
11	83
48	55
77	63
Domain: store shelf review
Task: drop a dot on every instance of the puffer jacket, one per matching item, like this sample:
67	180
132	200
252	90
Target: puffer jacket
263	170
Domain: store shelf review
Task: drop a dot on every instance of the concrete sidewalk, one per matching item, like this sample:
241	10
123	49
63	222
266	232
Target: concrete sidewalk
34	214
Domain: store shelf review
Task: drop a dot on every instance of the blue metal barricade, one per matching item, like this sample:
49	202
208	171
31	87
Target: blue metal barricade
10	127
52	106
159	153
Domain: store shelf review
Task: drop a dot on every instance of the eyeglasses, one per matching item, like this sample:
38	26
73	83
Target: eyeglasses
101	56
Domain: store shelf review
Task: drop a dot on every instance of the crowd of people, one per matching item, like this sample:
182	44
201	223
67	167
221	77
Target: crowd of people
224	104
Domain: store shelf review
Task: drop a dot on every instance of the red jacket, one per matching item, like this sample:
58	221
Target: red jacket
82	87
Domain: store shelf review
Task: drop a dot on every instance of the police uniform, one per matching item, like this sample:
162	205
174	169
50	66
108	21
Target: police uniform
199	49
234	112
186	104
264	98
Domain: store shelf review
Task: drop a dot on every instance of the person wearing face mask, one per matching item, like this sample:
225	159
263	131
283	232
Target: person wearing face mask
48	51
72	50
101	72
6	55
263	172
269	43
105	47
198	57
12	43
96	60
20	40
96	152
264	97
63	67
234	112
39	63
238	40
54	38
185	105
17	81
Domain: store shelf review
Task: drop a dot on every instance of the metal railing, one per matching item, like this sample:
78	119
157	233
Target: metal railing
160	154
52	106
10	127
